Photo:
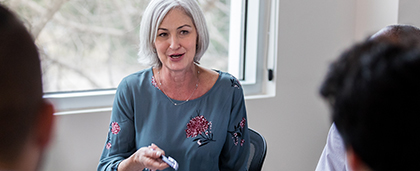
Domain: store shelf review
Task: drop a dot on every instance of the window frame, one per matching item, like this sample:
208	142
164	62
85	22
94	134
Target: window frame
256	51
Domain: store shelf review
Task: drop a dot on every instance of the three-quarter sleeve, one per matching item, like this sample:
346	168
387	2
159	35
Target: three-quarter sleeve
120	143
235	151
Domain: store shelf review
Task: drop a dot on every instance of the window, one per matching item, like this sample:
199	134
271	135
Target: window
256	52
87	47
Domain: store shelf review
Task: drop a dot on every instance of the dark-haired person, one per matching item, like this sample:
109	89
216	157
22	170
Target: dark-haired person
369	89
26	120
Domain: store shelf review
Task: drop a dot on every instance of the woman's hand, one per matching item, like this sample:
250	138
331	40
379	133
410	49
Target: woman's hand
145	157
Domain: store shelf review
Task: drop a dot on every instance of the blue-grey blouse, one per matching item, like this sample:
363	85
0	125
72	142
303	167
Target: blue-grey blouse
209	133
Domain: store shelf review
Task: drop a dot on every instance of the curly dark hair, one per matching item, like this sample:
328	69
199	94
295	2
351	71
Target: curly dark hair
374	92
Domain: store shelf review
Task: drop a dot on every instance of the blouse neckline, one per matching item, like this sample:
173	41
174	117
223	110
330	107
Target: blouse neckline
205	94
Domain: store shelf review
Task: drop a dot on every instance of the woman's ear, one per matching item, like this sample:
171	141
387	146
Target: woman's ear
355	162
45	124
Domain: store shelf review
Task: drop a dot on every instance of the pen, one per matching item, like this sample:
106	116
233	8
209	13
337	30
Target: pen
170	161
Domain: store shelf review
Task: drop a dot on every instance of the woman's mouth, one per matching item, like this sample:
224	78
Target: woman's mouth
175	55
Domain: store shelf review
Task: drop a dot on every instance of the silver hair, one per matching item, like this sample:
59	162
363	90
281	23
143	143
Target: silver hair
152	18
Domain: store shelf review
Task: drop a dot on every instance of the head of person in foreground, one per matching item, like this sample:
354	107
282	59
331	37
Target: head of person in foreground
25	118
374	92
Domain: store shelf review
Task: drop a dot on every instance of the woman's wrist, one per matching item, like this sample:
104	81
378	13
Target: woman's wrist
130	164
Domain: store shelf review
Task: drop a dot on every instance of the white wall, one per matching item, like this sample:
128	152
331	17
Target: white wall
296	121
312	34
372	15
409	12
78	142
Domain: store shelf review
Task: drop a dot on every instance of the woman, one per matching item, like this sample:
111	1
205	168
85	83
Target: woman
176	108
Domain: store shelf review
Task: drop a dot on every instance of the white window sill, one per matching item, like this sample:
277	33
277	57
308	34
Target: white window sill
68	103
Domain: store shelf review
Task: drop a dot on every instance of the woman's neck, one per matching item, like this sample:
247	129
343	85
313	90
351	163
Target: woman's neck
179	79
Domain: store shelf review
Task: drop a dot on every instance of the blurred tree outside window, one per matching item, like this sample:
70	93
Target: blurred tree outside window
93	44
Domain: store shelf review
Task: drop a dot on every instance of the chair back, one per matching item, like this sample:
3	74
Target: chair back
257	152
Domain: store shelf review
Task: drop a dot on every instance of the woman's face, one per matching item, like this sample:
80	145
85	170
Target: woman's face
176	41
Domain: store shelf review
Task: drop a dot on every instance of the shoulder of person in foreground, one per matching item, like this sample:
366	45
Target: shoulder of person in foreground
333	157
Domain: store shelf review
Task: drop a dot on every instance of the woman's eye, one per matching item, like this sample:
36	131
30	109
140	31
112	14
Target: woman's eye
184	32
162	34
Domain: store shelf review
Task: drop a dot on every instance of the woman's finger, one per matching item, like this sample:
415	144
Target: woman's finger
159	152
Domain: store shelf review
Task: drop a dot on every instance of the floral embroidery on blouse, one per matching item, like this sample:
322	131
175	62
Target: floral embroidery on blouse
199	127
235	82
108	145
237	133
115	128
154	83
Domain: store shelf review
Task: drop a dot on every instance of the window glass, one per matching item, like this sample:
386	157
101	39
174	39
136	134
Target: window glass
93	44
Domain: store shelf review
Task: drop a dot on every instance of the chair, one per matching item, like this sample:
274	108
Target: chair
257	152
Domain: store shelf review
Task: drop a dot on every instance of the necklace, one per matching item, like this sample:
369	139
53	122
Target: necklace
178	104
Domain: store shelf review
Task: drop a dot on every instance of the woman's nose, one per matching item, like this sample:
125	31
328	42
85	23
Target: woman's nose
174	43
